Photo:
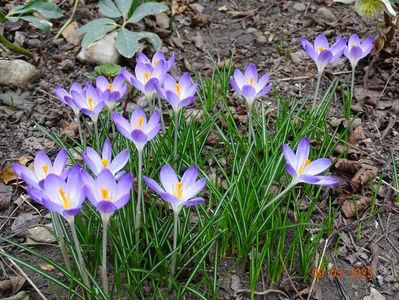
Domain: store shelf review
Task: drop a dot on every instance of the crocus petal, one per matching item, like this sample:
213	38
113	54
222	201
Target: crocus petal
321	42
102	83
251	72
72	212
124	186
265	91
327	180
137	113
154	119
153	185
186	102
92	165
122	201
262	82
168	178
309	49
106	207
308	179
89	192
87	179
60	93
325	57
290	170
120	161
239	78
35	194
193	202
355	54
354	40
52	206
190	175
172	98
105	179
107	150
122	124
317	166
59	162
248	92
193	189
153	132
367	45
302	152
185	81
170	198
25	174
41	160
138	136
234	85
289	155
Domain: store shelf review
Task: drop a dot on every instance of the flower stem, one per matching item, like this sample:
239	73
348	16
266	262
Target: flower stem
104	275
81	265
160	111
95	123
251	133
316	93
352	83
61	240
14	47
289	187
69	21
175	229
80	129
176	133
139	196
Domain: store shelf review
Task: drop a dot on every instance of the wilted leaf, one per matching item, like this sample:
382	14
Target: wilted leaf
364	175
357	135
347	166
47	267
20	296
147	9
200	20
7	175
351	208
5	196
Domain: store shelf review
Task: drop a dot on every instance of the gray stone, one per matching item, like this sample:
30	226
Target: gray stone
41	234
17	72
324	15
299	7
17	99
100	52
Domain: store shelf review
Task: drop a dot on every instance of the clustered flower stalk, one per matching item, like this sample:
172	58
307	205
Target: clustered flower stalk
139	195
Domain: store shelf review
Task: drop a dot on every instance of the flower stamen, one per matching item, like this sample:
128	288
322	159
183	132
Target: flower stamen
110	87
178	190
65	202
178	89
146	76
90	101
105	194
104	162
305	163
45	169
140	123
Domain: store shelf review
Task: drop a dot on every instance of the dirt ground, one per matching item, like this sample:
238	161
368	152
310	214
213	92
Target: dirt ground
266	33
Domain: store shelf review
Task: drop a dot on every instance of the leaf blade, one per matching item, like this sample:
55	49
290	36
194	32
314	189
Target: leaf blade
147	9
127	43
108	8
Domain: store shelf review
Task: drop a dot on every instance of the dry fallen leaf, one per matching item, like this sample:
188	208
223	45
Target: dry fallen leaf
7	175
47	267
200	20
364	175
357	135
347	166
5	195
351	208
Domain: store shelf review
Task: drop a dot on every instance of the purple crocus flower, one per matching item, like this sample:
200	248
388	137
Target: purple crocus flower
42	167
90	102
96	163
158	56
178	192
146	77
302	169
178	94
64	197
105	192
247	84
114	90
321	53
67	98
356	49
138	130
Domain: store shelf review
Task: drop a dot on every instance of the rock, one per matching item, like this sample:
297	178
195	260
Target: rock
23	222
101	52
70	33
19	38
17	72
162	20
324	15
374	295
34	43
41	234
261	39
299	56
197	7
66	64
299	7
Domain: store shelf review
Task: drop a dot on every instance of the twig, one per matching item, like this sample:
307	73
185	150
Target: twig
289	278
69	21
318	267
26	277
15	47
269	291
386	84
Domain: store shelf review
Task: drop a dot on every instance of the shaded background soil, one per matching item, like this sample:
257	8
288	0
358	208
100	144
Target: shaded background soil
267	34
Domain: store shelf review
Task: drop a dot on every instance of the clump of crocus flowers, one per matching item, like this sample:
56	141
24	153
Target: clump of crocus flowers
104	180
